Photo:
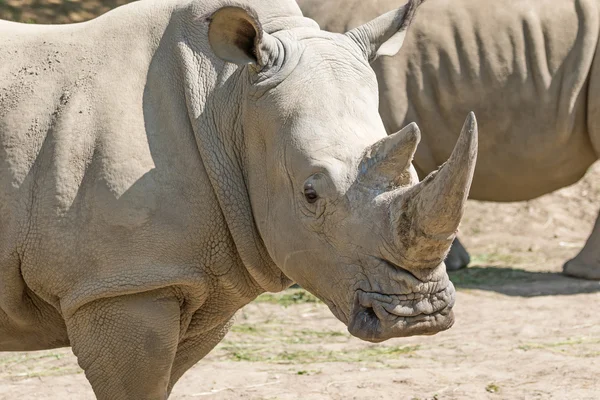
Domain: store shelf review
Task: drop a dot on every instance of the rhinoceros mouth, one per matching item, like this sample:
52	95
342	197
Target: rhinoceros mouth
376	317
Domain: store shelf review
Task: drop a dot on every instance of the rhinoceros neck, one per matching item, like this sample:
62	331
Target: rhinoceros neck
219	136
213	93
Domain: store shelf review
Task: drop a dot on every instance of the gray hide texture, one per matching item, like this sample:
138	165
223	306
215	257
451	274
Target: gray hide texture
167	162
527	68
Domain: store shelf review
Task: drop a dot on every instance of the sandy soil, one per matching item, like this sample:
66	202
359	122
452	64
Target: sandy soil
522	331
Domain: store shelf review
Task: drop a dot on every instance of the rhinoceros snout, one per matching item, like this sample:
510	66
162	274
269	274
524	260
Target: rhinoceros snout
376	317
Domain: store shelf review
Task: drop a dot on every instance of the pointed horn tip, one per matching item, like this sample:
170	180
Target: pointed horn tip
443	195
413	125
412	132
408	11
470	132
470	124
412	4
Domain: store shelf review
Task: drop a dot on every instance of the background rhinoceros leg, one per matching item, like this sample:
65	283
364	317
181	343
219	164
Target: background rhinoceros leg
586	264
193	349
458	257
126	344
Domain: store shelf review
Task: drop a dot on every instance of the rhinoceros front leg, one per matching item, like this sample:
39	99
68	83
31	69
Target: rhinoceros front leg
586	264
126	344
458	257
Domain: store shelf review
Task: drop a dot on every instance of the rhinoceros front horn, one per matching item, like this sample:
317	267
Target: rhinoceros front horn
435	206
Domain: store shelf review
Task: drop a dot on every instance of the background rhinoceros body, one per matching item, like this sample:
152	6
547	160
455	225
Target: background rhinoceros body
162	165
527	69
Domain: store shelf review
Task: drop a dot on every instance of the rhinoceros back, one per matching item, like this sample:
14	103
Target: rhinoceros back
66	93
523	67
91	173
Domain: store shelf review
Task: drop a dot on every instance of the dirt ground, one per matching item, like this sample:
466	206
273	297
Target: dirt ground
522	331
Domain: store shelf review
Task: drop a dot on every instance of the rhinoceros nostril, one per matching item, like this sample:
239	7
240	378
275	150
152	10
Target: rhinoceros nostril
365	324
370	313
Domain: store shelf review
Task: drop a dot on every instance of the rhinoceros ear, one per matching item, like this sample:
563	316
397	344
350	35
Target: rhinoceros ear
384	35
236	35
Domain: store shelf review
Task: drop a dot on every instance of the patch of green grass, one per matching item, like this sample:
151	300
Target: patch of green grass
37	364
246	329
288	297
475	231
299	338
492	388
320	334
242	355
534	346
28	357
563	343
376	352
309	372
305	336
53	371
283	334
578	347
253	353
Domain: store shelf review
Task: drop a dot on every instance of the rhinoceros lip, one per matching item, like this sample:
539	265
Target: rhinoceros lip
377	317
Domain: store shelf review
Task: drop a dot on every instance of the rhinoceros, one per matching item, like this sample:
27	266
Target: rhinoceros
528	70
164	164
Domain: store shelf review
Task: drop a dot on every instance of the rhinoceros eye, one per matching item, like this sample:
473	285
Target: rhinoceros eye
310	193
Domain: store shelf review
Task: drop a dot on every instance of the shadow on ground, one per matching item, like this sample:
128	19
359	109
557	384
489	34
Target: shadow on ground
519	282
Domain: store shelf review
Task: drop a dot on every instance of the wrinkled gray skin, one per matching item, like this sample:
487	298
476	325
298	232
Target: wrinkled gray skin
162	165
528	70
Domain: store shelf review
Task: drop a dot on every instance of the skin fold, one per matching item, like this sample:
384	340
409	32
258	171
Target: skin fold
164	164
528	69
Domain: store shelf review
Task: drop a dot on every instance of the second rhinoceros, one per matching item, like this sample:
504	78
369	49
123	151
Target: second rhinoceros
164	164
528	68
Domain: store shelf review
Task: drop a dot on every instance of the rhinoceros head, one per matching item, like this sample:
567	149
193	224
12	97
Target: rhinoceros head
337	202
